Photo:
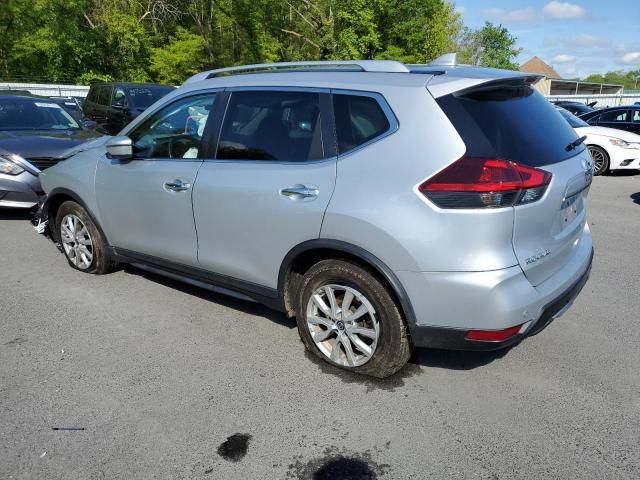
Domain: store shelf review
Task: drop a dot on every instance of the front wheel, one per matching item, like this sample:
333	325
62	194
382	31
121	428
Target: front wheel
600	159
347	317
82	243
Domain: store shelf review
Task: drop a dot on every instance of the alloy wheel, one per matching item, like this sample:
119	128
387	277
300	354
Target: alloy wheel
76	241
598	159
343	324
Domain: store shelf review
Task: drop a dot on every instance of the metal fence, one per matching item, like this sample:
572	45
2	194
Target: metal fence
47	89
602	100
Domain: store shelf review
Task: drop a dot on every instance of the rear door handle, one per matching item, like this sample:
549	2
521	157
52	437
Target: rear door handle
177	185
300	192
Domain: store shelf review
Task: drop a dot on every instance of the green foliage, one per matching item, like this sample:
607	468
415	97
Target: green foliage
181	57
630	79
169	40
491	46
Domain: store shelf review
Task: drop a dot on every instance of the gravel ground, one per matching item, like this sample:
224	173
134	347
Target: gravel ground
169	381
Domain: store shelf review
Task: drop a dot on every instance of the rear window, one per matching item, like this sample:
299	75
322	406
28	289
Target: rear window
359	119
511	121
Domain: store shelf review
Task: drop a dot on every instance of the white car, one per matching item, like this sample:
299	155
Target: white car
610	148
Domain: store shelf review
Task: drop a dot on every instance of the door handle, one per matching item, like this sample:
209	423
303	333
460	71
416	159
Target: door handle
177	185
300	192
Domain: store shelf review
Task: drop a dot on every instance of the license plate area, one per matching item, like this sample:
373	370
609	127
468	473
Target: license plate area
571	206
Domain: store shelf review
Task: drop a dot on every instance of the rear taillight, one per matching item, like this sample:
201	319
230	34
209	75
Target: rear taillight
473	182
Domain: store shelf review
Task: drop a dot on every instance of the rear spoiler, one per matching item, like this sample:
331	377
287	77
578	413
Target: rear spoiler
465	78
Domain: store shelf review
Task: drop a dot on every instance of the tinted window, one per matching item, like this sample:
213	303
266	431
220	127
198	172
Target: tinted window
272	125
636	116
27	114
613	116
104	95
510	120
119	97
143	97
574	121
175	131
359	119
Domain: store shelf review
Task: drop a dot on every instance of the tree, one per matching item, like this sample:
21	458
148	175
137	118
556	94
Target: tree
491	46
182	57
443	27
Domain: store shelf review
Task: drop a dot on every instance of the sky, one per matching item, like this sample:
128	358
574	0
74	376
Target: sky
576	37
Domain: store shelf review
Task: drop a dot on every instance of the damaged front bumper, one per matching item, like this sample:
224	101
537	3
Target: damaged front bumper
40	218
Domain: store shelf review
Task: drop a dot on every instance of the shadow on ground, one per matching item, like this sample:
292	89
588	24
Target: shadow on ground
14	214
429	358
636	198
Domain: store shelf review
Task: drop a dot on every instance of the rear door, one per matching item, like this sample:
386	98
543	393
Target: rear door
617	118
269	185
509	120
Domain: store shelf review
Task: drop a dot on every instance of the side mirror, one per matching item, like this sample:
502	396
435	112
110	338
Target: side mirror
89	124
120	147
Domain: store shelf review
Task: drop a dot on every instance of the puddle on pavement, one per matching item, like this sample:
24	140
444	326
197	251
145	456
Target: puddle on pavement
337	465
390	384
235	447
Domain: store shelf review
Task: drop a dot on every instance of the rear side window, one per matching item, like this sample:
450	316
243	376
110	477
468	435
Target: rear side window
511	121
359	119
104	95
272	125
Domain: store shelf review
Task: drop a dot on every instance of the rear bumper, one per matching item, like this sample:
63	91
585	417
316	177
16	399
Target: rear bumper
19	191
454	338
447	305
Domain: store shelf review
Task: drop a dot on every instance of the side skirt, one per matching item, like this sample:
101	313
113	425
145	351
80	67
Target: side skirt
203	278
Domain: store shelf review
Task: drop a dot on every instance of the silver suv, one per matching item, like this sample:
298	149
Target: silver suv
384	206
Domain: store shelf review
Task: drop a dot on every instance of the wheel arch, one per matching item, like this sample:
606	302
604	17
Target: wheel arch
304	255
57	197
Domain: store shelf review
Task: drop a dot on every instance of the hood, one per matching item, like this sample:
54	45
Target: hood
43	144
609	132
83	147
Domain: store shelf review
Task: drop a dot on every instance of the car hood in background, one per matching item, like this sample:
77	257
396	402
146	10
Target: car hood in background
609	132
43	144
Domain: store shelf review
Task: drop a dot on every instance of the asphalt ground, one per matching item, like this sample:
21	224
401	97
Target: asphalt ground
164	380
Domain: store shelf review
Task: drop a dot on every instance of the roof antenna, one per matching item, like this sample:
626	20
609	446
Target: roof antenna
446	60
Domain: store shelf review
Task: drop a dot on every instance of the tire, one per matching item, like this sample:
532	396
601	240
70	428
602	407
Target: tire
87	252
600	159
374	330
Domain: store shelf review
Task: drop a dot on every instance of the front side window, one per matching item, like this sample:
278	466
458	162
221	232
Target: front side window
272	125
175	131
359	119
143	97
636	116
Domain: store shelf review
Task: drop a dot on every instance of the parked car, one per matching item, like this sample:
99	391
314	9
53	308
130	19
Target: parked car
577	108
114	105
383	206
610	149
621	118
70	104
34	133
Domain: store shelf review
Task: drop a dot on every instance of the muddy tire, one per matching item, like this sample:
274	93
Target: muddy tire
348	317
82	243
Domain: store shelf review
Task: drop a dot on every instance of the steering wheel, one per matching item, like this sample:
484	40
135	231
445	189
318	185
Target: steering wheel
179	145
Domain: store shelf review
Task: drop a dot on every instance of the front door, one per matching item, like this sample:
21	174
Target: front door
145	202
269	186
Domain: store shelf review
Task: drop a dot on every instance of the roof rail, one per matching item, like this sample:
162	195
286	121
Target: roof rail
384	66
446	60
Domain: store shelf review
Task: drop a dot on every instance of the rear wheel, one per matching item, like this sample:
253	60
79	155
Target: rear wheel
82	243
600	159
347	317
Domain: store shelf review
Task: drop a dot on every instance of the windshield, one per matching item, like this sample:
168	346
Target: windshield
32	114
574	121
143	97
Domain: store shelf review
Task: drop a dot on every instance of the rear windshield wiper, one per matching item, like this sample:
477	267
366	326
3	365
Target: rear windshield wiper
575	143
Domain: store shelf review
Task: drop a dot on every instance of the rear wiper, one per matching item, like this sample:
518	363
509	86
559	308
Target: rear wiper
575	143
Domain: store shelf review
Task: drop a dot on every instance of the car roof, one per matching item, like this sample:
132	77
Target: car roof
365	75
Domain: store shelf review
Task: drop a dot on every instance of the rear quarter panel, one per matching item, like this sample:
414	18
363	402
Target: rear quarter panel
376	205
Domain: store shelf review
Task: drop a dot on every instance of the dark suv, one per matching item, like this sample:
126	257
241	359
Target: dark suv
114	105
